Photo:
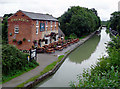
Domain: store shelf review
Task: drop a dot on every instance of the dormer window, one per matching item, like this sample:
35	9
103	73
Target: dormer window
23	15
15	15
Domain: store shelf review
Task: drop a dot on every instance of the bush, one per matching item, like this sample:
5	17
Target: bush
24	39
14	40
13	61
73	36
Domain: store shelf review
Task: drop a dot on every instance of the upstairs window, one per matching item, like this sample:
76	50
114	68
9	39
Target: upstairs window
36	30
55	24
37	22
16	29
46	22
51	22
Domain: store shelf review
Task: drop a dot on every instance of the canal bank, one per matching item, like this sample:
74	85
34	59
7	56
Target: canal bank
82	58
66	52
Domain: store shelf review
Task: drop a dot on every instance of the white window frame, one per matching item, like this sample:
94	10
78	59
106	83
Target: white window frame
55	23
16	29
46	28
51	22
37	22
36	30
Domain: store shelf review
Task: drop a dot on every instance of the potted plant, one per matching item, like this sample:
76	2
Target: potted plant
24	39
35	41
19	42
14	40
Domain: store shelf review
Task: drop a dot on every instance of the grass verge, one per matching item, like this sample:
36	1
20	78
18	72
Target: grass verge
8	78
45	70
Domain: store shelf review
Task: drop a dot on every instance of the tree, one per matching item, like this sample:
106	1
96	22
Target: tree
115	21
5	28
79	20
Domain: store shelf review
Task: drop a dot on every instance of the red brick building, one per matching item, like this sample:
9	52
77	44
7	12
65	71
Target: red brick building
27	29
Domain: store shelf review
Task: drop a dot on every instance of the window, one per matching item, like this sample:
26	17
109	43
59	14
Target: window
51	22
46	22
37	30
51	28
55	24
46	41
55	27
37	22
16	29
46	28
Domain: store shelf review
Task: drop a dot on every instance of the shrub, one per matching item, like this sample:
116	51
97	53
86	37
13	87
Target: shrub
14	40
14	60
106	72
73	36
24	39
19	42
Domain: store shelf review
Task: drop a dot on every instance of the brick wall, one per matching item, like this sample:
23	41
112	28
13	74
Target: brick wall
27	30
24	23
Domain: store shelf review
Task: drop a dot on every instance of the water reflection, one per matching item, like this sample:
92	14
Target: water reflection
82	58
85	50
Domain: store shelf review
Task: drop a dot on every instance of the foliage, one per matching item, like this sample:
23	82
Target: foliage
24	39
106	72
14	61
19	42
14	40
79	20
104	23
101	79
73	36
5	28
115	21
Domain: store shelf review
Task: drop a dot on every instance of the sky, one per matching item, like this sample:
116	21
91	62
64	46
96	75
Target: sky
58	7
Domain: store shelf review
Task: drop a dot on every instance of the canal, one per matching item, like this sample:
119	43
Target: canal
82	58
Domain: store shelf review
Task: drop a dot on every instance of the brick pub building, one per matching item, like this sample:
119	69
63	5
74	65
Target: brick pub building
27	29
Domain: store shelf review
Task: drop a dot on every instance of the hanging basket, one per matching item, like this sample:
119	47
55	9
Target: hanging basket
19	42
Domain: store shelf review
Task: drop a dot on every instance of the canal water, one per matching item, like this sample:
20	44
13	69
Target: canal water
82	58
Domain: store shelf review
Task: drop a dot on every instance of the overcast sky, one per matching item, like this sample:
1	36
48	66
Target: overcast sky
58	7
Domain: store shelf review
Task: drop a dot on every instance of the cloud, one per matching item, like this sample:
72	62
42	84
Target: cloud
58	7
